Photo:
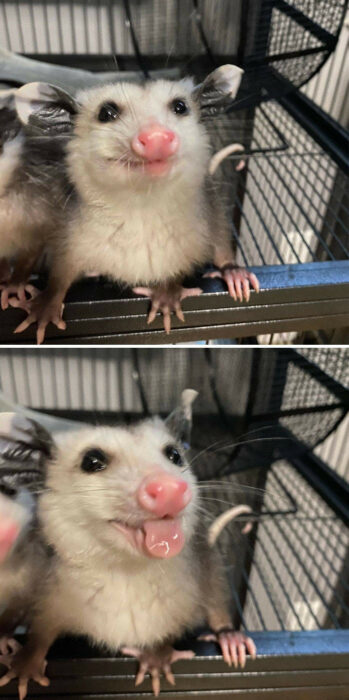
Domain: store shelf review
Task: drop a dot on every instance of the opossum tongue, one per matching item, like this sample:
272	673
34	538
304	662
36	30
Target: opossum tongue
163	538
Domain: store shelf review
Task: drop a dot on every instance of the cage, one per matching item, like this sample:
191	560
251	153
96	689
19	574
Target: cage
288	208
260	428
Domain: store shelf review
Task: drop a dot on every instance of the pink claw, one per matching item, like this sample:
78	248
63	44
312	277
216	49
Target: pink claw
237	279
167	300
233	646
155	663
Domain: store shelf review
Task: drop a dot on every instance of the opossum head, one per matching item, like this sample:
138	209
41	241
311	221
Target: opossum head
123	491
132	135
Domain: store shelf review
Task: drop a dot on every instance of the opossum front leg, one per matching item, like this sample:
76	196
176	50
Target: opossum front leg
48	306
166	298
29	663
237	279
233	645
157	661
16	283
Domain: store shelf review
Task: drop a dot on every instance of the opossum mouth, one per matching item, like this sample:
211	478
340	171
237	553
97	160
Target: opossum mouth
161	539
150	167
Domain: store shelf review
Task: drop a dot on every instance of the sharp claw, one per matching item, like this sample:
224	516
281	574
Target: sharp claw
225	651
155	681
246	288
251	647
22	689
242	655
169	675
230	284
238	288
7	678
167	321
140	675
254	281
179	313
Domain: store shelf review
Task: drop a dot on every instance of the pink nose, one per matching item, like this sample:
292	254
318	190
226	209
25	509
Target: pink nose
163	494
155	143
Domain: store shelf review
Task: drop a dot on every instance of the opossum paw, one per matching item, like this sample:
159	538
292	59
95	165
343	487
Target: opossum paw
237	279
9	645
25	670
233	646
167	299
155	662
16	295
43	312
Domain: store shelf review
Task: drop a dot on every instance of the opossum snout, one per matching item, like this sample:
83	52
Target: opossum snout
155	143
163	494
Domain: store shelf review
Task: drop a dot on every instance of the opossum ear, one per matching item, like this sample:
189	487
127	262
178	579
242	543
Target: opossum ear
9	122
25	446
179	422
45	109
218	89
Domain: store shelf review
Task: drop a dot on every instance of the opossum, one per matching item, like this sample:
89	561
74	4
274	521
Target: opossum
33	191
24	557
131	566
147	213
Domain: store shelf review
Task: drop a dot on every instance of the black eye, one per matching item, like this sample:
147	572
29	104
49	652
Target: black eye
94	461
173	455
8	490
108	112
179	107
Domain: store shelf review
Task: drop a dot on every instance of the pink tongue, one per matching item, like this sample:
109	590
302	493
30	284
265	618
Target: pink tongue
163	538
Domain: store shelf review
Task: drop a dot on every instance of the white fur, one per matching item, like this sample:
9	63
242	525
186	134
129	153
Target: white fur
9	160
132	226
103	587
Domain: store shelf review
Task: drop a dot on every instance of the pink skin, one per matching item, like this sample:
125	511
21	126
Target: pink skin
165	497
9	645
155	146
237	279
9	531
156	662
167	299
15	295
233	646
24	670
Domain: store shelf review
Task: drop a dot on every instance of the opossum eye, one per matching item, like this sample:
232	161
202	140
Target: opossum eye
94	461
179	107
173	455
7	490
108	112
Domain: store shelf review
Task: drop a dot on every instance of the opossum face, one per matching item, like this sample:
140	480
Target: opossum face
129	133
129	489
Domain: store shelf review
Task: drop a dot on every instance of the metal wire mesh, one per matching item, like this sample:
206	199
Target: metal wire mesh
269	38
290	572
276	393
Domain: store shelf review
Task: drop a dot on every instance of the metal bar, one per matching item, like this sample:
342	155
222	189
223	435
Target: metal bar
321	127
203	37
140	57
306	22
340	391
333	489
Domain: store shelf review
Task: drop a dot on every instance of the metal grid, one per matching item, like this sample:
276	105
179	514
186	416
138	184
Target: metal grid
275	39
289	576
295	566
